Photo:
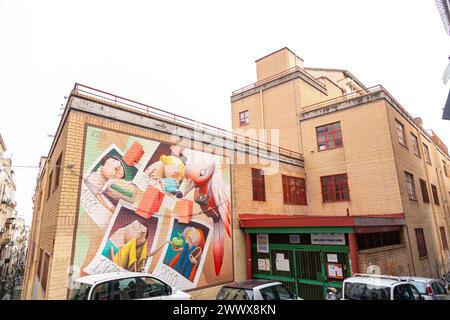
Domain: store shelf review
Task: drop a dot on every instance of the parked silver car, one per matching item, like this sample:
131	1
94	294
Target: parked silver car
257	289
430	289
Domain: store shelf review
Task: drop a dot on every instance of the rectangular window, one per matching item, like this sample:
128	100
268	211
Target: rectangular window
49	184
45	271
335	188
294	190
39	264
259	188
243	118
410	186
415	144
426	153
445	168
443	238
425	195
400	133
421	245
435	194
376	240
58	171
329	136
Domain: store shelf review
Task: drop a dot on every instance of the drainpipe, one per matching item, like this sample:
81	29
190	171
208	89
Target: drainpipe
354	260
248	247
261	107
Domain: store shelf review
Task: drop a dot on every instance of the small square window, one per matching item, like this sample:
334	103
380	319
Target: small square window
244	118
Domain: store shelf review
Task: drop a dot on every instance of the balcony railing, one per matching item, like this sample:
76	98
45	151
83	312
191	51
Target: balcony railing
83	90
346	97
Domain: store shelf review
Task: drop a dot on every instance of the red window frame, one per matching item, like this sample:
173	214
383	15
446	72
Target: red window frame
258	185
415	145
49	185
425	194
45	267
444	165
426	152
400	133
335	188
294	190
435	194
244	118
410	187
421	244
329	136
443	238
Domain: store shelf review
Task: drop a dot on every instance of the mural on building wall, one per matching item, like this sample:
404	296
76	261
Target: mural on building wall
149	206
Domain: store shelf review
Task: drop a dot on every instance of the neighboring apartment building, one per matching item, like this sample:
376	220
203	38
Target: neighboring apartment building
8	212
129	187
373	175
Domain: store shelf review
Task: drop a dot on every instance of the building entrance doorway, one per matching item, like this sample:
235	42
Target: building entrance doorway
307	270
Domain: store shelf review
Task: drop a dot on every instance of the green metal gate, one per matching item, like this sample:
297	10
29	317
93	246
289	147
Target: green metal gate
305	273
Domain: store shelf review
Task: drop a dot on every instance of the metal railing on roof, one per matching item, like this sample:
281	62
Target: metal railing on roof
276	76
179	120
343	98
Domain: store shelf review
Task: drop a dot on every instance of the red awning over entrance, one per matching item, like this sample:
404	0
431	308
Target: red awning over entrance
280	221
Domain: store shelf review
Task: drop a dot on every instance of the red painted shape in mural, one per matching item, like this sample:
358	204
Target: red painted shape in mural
184	208
134	154
150	202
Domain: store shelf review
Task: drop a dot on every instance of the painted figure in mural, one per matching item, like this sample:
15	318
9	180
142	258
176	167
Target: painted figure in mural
190	246
127	247
169	172
109	182
211	195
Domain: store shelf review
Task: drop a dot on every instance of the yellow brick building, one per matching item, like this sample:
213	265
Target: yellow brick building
365	157
342	194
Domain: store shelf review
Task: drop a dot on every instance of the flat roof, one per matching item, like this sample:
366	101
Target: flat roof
284	48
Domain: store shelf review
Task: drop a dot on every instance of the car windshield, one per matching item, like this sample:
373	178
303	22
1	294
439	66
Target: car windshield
227	293
421	286
363	291
80	291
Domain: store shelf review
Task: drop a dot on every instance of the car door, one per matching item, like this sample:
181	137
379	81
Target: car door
154	289
439	291
124	289
101	291
268	293
403	292
282	292
415	292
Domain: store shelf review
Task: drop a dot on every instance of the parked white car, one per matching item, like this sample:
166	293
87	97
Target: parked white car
257	289
124	286
379	287
430	289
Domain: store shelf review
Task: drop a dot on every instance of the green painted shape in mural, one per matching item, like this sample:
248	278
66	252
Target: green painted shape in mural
81	249
91	152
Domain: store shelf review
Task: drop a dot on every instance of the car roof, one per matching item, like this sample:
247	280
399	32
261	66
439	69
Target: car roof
419	279
250	284
101	277
374	280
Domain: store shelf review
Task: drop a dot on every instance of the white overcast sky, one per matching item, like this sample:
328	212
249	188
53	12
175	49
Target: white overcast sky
187	57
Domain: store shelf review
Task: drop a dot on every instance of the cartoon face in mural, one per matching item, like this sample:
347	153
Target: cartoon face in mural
148	206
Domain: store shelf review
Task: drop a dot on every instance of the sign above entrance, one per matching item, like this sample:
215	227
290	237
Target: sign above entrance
334	239
262	243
